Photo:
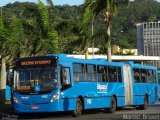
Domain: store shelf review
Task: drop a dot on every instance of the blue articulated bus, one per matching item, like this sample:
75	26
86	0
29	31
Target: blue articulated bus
59	83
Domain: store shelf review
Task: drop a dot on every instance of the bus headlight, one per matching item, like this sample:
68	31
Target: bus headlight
55	97
15	99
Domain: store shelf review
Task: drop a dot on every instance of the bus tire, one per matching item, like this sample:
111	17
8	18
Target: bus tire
113	105
78	109
145	105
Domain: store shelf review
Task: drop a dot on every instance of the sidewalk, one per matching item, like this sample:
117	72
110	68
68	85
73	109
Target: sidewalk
6	108
6	112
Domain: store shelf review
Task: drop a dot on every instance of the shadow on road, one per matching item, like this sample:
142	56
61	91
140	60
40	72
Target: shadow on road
6	110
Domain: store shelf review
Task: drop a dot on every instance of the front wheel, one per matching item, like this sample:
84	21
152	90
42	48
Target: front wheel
78	109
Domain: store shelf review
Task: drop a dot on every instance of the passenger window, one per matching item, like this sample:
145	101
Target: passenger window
136	75
159	78
151	76
119	74
112	74
102	75
154	76
91	73
143	75
78	71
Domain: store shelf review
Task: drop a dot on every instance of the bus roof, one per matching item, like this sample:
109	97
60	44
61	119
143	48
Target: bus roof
100	61
141	66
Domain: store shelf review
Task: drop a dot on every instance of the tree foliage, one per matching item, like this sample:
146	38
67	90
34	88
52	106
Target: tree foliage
41	29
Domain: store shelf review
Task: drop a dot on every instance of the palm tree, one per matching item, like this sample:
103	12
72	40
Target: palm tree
49	38
110	8
2	61
42	38
12	42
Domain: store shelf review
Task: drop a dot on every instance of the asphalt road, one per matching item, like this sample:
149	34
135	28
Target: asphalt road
152	113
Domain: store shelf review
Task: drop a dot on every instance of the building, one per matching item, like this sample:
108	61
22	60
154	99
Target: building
148	40
116	49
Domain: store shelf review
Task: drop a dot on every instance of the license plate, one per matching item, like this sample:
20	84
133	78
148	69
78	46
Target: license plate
34	107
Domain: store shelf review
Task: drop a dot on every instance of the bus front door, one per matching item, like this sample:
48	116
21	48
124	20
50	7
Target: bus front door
128	85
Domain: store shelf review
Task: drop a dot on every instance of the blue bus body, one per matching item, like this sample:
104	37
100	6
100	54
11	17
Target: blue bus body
8	92
9	77
146	86
158	72
89	84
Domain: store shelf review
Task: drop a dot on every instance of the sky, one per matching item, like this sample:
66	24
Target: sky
56	2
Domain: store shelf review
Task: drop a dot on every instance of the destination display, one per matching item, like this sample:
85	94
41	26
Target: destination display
39	62
36	61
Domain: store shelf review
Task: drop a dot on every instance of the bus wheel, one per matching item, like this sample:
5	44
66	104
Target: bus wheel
113	105
78	110
145	105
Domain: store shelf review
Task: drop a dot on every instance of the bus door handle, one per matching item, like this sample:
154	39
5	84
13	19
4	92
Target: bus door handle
89	96
86	96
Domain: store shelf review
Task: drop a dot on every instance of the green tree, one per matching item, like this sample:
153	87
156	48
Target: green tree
14	45
42	38
95	7
49	40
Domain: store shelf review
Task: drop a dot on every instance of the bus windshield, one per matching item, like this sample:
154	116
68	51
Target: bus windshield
36	80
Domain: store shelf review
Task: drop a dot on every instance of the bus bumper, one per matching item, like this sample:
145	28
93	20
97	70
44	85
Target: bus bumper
47	107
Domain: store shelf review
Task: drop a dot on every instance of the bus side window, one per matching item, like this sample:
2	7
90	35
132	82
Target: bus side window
102	75
91	73
143	75
154	76
151	77
78	71
65	76
112	74
136	75
159	78
119	74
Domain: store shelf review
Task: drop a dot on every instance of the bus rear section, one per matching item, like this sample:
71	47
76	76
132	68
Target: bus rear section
144	85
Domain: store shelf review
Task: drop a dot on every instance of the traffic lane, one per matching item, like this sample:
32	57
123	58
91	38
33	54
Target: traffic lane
126	113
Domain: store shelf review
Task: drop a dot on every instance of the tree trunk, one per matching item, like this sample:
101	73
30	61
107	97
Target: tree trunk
2	82
108	23
3	75
109	55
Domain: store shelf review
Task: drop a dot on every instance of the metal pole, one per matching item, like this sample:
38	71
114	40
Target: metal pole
1	11
92	36
93	1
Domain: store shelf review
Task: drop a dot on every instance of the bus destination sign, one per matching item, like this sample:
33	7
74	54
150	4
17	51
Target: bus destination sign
37	62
